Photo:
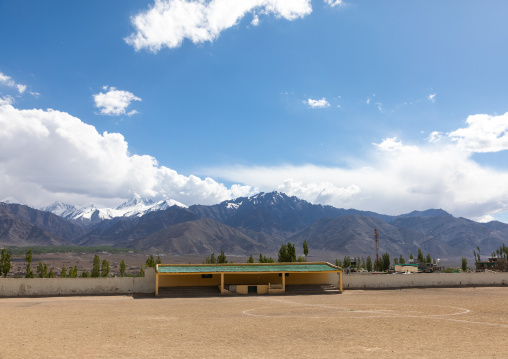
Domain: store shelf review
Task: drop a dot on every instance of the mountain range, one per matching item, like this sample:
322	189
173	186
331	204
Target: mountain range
91	215
248	225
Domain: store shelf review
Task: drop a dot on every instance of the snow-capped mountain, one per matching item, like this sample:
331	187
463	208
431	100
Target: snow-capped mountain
60	209
137	206
247	225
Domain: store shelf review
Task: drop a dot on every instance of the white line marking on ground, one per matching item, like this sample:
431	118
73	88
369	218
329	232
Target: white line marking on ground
377	313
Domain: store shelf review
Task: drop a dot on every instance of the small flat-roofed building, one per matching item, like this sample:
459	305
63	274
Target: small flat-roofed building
493	263
406	268
250	278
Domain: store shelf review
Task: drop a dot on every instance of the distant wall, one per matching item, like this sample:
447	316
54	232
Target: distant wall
27	287
22	287
392	281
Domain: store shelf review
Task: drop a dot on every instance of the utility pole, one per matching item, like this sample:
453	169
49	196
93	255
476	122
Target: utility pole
376	236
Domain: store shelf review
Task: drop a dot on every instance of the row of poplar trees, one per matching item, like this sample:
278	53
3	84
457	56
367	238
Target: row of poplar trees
99	269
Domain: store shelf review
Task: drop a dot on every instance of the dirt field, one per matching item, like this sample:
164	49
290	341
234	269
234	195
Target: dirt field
445	323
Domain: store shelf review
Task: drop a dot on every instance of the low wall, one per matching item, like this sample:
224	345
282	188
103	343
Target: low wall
392	281
27	287
23	287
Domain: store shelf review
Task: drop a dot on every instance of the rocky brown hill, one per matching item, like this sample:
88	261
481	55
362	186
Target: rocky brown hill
203	236
17	231
261	224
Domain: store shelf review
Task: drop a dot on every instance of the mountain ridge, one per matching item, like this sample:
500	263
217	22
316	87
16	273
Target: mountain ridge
260	223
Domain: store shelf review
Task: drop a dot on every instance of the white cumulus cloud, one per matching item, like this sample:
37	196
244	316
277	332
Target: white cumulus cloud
323	103
255	20
484	133
114	102
48	155
6	100
431	97
399	177
334	3
168	22
8	81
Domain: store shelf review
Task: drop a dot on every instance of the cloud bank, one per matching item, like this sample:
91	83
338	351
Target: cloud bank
168	22
399	178
48	155
114	102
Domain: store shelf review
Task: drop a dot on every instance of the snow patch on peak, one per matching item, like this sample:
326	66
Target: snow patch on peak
60	209
135	201
232	205
137	206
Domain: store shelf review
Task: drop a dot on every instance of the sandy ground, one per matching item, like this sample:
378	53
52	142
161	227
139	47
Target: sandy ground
423	323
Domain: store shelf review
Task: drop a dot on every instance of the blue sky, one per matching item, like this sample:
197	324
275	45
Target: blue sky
387	106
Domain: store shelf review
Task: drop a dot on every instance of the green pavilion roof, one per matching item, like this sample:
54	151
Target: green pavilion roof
246	268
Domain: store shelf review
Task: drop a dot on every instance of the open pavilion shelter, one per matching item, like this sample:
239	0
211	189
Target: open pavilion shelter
248	278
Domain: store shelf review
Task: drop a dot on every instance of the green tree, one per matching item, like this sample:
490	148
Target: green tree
28	272
42	270
264	259
287	253
369	264
150	262
122	268
305	249
251	259
158	261
96	269
211	259
346	263
221	257
464	264
477	256
385	262
395	261
301	259
28	257
63	274
420	256
51	274
411	256
292	252
73	272
402	260
85	274
283	255
428	259
105	268
141	272
5	263
338	263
